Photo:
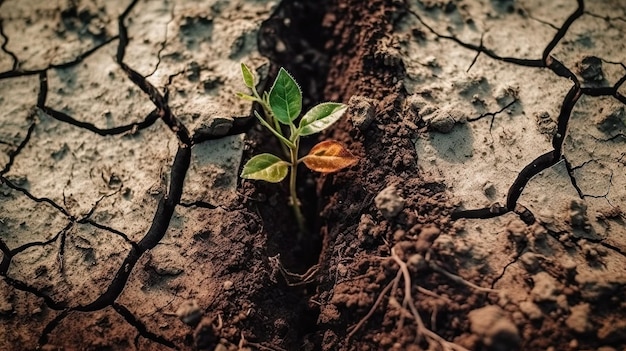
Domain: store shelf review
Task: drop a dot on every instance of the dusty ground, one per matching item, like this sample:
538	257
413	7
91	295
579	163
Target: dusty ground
485	213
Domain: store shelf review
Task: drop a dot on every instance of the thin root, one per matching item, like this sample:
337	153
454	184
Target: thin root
371	311
457	279
407	307
408	301
294	279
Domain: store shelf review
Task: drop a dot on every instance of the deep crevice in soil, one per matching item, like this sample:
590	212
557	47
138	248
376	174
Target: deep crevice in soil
293	38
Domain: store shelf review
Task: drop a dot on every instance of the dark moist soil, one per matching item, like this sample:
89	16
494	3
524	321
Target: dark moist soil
350	239
359	62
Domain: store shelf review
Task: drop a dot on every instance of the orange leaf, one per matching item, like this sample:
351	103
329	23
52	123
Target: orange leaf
329	156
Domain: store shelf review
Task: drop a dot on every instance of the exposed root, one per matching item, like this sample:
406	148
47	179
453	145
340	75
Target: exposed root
455	278
378	301
431	337
293	279
407	307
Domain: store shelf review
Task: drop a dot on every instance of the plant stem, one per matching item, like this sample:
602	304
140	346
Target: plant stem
295	203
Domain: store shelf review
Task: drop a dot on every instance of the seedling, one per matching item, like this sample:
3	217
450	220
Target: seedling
282	106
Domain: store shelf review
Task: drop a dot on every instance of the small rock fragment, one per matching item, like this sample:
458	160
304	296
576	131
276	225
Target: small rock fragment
568	264
578	320
495	329
228	284
444	119
366	231
613	122
193	71
389	202
206	335
442	123
545	124
444	245
578	214
516	230
545	288
489	189
189	312
166	265
531	310
530	261
539	232
362	111
6	308
416	263
590	68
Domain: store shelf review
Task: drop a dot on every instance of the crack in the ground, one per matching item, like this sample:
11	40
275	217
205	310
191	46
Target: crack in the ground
8	254
606	194
606	18
480	48
108	229
78	59
572	178
163	44
492	114
162	216
156	232
574	182
141	328
576	239
520	250
607	91
50	202
15	64
152	117
527	13
45	333
200	204
13	153
140	81
614	137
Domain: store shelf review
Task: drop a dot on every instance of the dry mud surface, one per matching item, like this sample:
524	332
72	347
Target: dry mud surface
486	211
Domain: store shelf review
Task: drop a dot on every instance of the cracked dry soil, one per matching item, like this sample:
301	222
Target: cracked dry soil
486	212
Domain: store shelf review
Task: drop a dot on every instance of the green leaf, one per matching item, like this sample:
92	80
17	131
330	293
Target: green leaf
246	97
285	98
265	167
321	117
248	76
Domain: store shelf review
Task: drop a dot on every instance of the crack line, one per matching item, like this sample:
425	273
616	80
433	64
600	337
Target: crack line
141	328
78	59
160	223
16	61
152	117
20	147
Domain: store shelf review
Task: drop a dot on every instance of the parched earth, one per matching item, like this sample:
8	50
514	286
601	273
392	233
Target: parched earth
486	211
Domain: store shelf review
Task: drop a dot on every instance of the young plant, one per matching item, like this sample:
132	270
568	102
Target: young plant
282	106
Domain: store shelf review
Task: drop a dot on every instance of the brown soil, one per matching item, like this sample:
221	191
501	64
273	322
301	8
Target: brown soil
117	233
